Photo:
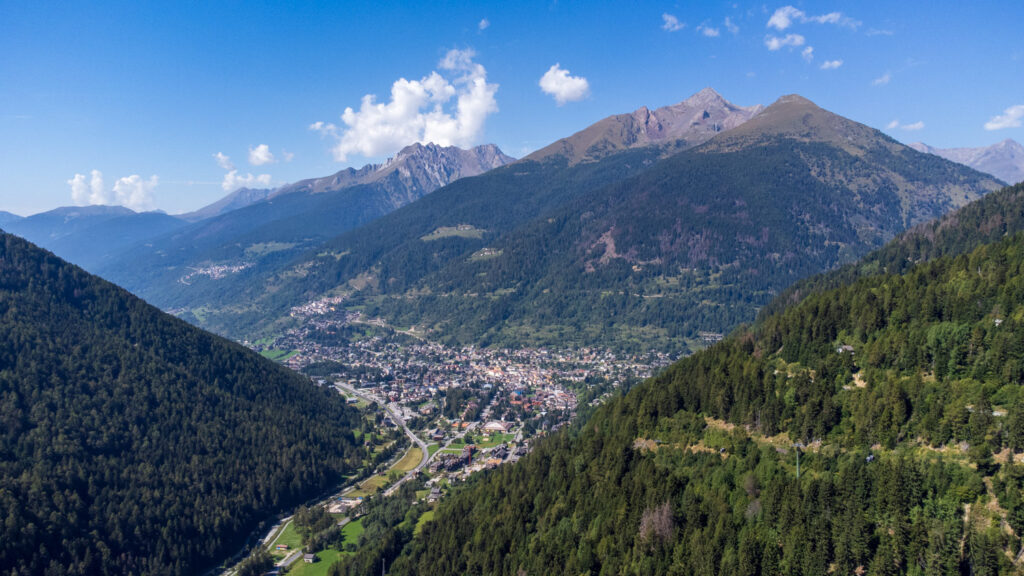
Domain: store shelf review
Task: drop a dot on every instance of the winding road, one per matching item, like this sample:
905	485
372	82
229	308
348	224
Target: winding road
397	419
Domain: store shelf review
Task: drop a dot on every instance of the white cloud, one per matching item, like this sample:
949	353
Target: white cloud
91	192
232	181
1010	118
224	161
287	156
708	31
831	64
877	32
895	124
786	16
419	111
774	43
261	155
783	17
565	88
732	28
671	23
134	192
882	80
808	53
324	128
131	191
484	24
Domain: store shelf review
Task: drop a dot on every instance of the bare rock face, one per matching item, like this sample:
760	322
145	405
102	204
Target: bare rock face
1004	160
417	169
683	125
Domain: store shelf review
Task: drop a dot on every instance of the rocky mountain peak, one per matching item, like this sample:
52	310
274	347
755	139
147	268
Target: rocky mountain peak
682	125
421	167
1004	160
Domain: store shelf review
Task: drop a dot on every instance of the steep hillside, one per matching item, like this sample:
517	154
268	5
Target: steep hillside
1004	160
133	443
238	199
694	244
263	235
995	216
872	429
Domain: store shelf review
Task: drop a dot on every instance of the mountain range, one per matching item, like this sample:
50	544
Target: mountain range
637	246
683	125
1004	160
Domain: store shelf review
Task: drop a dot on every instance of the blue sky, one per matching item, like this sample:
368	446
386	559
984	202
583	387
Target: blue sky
136	98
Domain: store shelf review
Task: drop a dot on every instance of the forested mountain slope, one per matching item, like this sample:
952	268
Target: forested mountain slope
391	251
904	392
134	443
194	266
695	243
990	219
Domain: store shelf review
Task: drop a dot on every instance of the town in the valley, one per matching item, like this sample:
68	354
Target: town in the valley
436	412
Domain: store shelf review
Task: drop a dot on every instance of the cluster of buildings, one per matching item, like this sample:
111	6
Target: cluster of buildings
418	375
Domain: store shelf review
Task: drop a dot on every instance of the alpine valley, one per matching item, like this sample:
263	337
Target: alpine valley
843	312
644	231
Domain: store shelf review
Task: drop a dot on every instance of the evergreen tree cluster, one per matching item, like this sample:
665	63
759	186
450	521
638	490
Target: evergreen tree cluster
134	443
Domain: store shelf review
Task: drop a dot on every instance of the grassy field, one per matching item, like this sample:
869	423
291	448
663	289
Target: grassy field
369	487
426	517
278	355
432	448
327	557
462	231
353	530
287	536
496	439
410	460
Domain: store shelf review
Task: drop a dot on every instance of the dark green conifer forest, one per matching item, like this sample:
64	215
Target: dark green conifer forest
901	393
134	443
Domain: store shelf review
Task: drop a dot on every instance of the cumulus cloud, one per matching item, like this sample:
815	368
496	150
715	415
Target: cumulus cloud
261	155
1010	118
808	53
786	16
732	28
484	24
895	124
131	191
565	88
708	31
233	181
882	80
671	23
224	161
793	40
831	64
324	128
419	111
134	192
91	192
